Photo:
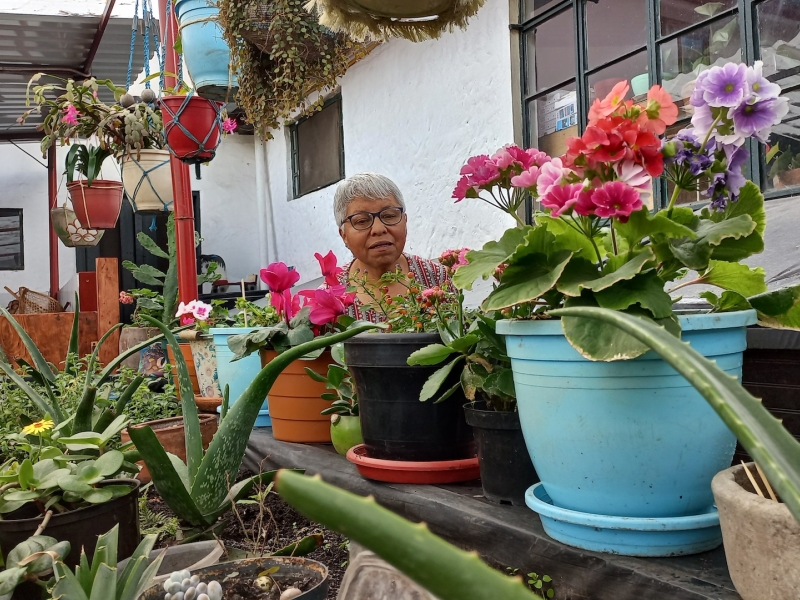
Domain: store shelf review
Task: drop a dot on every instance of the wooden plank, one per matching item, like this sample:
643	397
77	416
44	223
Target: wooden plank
87	290
107	272
50	332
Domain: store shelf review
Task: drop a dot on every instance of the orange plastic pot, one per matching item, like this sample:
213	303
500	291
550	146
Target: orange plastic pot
172	435
186	350
295	404
96	206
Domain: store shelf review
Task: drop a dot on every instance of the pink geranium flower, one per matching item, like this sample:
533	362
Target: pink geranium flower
549	175
279	277
71	115
464	189
200	310
585	206
635	175
660	112
616	199
605	107
481	170
185	309
329	267
125	298
560	198
527	179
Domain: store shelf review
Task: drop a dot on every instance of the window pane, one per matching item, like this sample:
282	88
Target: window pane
678	15
11	239
537	7
603	29
683	58
550	53
319	149
779	40
554	118
783	155
601	83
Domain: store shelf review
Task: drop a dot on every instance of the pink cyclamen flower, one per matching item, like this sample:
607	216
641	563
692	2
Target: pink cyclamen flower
201	310
617	200
71	115
329	267
279	277
327	304
584	206
229	125
285	304
560	198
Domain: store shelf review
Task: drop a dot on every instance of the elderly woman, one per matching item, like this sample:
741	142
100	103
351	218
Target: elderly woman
370	213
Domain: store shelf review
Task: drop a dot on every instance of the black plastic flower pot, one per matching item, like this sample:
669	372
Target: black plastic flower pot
80	527
394	423
238	577
506	467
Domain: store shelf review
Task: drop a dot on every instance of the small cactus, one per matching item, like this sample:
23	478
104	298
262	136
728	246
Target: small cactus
182	585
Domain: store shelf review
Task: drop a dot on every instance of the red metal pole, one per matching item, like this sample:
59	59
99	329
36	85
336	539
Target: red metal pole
181	180
52	198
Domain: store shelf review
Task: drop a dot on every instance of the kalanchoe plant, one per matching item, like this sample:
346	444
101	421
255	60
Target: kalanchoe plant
343	396
256	316
31	561
594	243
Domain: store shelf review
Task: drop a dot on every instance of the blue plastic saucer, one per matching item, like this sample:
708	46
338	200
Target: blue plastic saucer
631	536
263	419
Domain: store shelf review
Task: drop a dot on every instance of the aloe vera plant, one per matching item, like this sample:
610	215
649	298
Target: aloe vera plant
199	491
441	568
769	443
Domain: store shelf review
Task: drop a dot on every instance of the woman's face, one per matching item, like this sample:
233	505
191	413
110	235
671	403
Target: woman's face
380	246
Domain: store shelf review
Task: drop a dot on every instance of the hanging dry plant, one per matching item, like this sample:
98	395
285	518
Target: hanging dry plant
282	55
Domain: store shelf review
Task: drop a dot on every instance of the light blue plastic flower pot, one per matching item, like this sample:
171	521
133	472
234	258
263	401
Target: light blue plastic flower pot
206	53
627	438
240	374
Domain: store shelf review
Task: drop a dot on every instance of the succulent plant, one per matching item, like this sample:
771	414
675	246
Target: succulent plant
182	585
30	561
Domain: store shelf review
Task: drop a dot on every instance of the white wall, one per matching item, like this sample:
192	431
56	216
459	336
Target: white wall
23	184
414	112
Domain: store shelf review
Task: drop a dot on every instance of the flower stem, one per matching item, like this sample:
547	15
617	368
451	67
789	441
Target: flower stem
686	284
710	131
614	238
675	193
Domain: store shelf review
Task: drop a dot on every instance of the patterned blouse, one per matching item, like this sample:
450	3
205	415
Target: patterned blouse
428	273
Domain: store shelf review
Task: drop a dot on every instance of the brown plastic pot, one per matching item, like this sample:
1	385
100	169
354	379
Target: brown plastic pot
295	404
186	350
170	432
96	206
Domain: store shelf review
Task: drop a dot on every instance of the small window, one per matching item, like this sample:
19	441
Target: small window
318	149
11	246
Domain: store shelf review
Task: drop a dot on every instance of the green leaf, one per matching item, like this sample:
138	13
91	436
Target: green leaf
141	275
315	376
242	489
728	302
772	447
67	585
483	262
104	586
150	245
736	277
437	379
779	309
642	224
463	344
98	495
566	238
25	473
645	289
20	495
82	441
500	383
45	406
582	277
695	253
336	375
109	463
72	349
430	355
527	279
181	469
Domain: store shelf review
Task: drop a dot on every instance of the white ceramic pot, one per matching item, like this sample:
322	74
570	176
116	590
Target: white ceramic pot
148	180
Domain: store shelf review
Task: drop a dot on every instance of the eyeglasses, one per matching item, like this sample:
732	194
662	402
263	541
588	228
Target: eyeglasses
364	220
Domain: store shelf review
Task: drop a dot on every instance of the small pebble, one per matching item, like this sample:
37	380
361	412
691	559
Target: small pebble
176	576
195	579
178	596
174	587
185	574
186	584
167	596
203	597
215	590
263	583
289	593
190	594
202	589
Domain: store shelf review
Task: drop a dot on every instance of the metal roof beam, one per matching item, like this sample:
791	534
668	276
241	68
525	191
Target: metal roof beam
33	69
98	36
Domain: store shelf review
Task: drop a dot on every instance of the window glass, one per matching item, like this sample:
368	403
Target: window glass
554	118
677	15
683	58
603	21
779	40
550	53
782	153
318	151
537	7
11	247
632	68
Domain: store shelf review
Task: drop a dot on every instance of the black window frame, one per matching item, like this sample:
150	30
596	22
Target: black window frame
295	148
746	12
16	212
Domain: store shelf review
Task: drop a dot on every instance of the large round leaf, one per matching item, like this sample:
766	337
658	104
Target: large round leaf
109	463
89	473
98	495
20	495
74	484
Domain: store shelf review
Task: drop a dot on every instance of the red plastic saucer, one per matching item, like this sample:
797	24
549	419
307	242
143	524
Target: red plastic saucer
399	471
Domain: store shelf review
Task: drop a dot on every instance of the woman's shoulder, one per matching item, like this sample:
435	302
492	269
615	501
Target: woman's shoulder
429	272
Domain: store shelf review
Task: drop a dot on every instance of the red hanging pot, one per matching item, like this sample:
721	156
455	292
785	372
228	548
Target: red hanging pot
96	206
192	127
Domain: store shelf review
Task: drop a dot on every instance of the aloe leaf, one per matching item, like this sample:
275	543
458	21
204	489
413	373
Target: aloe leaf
67	584
41	364
73	349
83	414
126	396
441	568
128	582
303	547
165	479
242	489
104	585
45	406
145	581
142	552
171	278
93	359
228	446
762	435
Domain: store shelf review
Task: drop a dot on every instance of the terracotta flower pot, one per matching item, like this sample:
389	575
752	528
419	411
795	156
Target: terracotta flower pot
186	350
96	206
170	432
192	130
786	179
132	336
295	404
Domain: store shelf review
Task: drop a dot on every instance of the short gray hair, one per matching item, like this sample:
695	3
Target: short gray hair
372	186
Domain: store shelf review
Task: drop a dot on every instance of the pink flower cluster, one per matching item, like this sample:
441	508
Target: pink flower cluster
71	115
194	310
453	259
229	125
510	166
125	298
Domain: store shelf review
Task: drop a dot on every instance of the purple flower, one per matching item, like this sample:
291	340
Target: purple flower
698	163
724	132
760	86
736	157
687	134
725	85
696	99
756	117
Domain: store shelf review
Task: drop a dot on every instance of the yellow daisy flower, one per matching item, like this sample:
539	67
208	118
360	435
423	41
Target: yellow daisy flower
38	427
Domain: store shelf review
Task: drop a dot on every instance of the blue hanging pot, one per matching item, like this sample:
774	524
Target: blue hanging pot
205	51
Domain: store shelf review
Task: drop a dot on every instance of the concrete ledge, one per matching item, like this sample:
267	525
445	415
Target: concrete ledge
509	536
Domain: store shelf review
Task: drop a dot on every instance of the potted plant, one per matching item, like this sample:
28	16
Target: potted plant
204	353
97	202
345	422
147	302
70	231
295	404
594	244
785	171
487	382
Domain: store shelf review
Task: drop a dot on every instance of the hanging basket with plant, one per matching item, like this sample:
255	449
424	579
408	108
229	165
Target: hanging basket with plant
192	126
415	20
97	202
282	56
70	230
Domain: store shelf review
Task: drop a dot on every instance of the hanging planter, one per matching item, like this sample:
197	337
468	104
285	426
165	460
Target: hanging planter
192	127
96	206
70	231
147	179
206	52
415	20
